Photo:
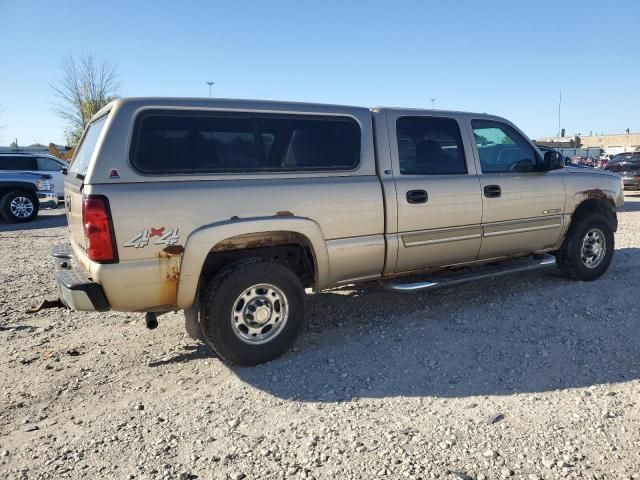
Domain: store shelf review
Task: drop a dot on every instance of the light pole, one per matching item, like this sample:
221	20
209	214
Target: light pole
559	104
433	102
211	84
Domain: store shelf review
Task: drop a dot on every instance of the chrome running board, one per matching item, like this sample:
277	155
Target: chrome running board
445	278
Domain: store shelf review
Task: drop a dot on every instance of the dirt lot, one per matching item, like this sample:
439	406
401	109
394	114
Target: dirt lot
528	377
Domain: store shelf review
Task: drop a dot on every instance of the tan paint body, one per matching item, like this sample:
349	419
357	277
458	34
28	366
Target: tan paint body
357	223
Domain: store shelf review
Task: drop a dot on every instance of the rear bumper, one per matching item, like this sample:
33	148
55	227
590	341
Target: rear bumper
47	199
75	288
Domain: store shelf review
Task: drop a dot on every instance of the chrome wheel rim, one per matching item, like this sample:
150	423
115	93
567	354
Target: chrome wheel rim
593	249
259	314
21	207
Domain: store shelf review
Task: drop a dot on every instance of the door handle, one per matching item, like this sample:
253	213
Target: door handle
492	191
417	196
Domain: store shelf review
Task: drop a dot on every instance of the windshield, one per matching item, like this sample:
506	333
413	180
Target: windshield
85	150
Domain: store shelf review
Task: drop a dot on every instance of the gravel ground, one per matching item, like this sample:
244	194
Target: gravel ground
531	377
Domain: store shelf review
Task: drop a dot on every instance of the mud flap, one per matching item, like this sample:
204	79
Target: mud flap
192	322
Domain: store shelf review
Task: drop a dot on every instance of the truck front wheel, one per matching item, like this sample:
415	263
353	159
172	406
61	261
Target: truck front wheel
252	311
587	249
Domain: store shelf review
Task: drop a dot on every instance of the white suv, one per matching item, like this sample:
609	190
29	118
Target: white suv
33	163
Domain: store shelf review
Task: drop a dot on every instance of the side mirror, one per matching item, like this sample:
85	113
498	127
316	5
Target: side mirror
553	161
64	170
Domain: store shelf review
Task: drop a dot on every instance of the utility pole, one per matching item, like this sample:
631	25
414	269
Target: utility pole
559	105
211	84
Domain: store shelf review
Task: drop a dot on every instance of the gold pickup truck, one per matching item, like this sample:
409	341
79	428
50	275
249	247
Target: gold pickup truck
231	209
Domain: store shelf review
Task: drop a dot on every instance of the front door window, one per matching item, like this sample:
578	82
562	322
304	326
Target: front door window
502	149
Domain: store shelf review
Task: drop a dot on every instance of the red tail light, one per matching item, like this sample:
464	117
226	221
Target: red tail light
98	229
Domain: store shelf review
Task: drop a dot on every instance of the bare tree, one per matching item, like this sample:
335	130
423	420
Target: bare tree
85	87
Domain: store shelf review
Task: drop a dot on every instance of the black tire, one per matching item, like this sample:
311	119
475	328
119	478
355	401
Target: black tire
569	257
224	294
6	209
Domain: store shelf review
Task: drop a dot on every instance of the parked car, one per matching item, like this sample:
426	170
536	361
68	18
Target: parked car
27	162
23	193
627	165
230	209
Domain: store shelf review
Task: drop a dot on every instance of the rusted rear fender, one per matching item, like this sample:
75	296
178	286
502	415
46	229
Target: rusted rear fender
206	238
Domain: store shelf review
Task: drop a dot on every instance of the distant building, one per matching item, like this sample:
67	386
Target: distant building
612	144
558	142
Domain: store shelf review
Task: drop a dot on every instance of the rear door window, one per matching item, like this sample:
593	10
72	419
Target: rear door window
48	165
188	142
18	163
430	146
83	155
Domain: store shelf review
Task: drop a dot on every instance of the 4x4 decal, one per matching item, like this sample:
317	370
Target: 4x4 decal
143	238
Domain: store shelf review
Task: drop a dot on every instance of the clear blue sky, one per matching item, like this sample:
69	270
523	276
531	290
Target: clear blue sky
510	58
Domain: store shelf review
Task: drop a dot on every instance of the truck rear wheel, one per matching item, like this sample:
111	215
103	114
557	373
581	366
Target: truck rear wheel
587	250
19	207
252	311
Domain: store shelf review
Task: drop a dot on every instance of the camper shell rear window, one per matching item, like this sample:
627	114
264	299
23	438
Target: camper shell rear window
83	155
